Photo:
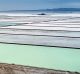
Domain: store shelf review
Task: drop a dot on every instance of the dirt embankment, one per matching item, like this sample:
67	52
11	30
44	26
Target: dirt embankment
19	69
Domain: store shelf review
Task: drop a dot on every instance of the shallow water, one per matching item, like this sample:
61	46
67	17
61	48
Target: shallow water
39	56
3	24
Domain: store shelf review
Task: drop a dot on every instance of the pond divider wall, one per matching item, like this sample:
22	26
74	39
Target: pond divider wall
41	37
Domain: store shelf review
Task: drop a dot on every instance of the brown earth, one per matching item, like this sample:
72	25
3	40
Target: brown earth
19	69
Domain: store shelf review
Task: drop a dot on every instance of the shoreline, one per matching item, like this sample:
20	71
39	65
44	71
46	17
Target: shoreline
14	69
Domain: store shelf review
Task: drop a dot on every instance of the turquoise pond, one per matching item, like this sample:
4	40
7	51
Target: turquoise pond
39	56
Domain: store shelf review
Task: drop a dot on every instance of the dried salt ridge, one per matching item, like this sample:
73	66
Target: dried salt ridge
57	30
19	69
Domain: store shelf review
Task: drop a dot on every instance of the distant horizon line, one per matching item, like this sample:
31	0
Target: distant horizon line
39	9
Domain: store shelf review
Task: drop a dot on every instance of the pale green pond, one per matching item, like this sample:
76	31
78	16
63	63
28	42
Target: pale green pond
39	56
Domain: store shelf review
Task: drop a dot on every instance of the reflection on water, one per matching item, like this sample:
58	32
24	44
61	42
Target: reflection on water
48	57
